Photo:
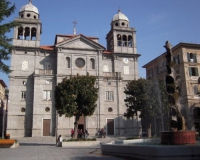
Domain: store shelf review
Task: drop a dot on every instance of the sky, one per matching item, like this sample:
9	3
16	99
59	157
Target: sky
155	22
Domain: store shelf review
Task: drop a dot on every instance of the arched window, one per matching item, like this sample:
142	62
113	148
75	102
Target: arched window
20	33
27	33
33	34
68	62
124	40
92	63
119	40
192	57
130	41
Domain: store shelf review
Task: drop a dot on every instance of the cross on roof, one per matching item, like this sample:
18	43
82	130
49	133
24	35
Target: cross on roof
74	27
74	23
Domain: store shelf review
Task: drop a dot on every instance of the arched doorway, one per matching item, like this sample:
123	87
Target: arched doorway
196	116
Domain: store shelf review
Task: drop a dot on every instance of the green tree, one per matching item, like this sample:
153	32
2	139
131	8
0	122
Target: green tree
149	98
76	96
5	45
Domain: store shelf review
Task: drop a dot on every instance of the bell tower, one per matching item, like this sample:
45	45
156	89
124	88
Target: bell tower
121	38
28	34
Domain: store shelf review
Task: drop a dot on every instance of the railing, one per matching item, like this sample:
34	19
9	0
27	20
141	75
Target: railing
194	78
45	72
112	75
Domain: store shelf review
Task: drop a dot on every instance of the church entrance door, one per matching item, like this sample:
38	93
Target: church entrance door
46	127
110	126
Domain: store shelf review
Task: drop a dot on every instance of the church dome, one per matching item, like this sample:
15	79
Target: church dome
29	7
119	16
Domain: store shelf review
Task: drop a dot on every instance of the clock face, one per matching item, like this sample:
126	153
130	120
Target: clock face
125	60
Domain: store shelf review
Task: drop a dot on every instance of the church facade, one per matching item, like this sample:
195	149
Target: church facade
37	69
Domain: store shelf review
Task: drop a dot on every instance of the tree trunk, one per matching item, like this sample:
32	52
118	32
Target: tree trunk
76	126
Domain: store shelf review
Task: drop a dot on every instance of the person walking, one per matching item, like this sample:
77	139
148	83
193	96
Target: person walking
72	132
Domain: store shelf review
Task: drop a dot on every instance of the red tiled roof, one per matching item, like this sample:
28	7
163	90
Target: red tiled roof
49	48
107	52
72	35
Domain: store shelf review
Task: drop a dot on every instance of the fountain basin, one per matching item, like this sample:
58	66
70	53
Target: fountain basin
151	149
178	137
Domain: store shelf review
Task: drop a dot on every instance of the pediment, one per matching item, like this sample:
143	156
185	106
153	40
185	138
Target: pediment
80	42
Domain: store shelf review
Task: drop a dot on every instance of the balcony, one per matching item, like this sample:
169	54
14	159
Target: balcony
43	72
112	75
194	78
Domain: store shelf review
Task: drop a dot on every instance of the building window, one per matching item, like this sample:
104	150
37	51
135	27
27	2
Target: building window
126	70
176	59
192	57
193	71
109	96
23	95
119	40
92	63
177	71
24	65
157	70
68	62
130	41
47	95
47	66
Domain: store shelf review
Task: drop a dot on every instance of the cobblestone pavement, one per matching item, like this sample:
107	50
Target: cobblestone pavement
44	148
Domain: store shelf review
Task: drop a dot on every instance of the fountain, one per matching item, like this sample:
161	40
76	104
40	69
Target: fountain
176	144
179	134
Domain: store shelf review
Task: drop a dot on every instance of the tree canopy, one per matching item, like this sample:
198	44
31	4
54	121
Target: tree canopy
147	96
76	96
5	43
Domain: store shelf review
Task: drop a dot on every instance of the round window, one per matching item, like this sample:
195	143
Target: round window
116	24
110	109
123	23
28	15
22	16
80	62
23	109
35	17
47	109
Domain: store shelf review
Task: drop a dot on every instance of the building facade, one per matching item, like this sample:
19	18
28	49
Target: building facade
3	108
186	58
37	69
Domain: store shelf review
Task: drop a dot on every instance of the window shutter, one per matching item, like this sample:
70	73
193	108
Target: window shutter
195	58
174	59
190	71
178	59
196	72
188	56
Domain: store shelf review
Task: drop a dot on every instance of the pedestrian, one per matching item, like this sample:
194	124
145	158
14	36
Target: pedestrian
59	139
86	134
72	132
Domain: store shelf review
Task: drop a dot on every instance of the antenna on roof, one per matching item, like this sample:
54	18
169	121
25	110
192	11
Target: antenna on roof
74	27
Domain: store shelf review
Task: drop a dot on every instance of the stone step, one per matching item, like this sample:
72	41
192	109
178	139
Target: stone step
36	139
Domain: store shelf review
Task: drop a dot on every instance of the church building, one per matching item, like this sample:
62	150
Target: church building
37	69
